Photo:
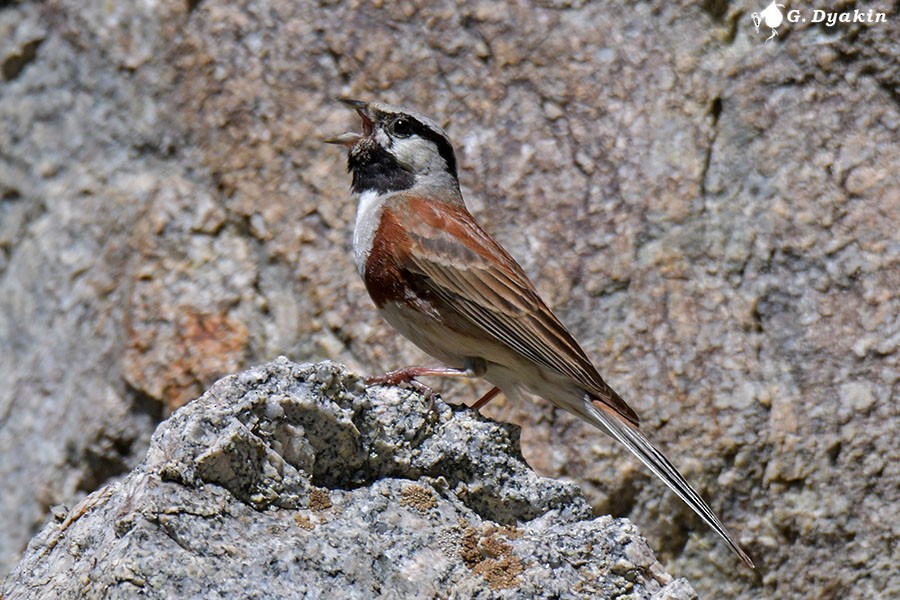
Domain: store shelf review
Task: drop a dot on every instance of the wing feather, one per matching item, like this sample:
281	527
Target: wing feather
481	282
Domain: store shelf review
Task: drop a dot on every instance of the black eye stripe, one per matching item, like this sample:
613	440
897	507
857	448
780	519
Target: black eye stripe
416	127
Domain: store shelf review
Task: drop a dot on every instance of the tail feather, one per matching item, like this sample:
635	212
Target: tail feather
638	444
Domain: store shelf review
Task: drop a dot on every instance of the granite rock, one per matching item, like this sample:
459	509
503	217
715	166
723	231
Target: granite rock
293	481
713	217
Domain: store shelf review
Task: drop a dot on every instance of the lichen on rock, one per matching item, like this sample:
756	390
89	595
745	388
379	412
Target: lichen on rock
294	480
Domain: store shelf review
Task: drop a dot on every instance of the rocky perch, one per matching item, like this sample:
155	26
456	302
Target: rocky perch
293	480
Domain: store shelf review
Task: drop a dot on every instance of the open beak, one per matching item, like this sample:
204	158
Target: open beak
350	138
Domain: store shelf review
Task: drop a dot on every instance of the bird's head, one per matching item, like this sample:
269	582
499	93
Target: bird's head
397	149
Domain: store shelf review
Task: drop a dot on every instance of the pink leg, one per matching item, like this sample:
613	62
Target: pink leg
490	395
475	367
409	373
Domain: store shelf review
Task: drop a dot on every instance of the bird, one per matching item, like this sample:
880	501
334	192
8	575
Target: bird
448	286
772	18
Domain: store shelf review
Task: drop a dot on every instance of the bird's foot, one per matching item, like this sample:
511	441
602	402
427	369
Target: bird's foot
407	376
474	367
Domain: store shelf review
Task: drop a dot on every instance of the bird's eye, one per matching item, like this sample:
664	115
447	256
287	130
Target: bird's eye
403	127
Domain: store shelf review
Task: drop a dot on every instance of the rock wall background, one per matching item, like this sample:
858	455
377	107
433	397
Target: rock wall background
714	218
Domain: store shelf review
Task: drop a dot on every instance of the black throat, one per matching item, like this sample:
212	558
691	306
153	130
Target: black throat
374	168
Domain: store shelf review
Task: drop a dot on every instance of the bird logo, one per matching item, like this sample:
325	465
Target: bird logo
771	16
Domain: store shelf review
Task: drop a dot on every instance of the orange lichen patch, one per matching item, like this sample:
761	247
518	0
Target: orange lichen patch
511	532
319	499
304	522
488	554
212	345
469	551
417	497
500	572
177	361
493	546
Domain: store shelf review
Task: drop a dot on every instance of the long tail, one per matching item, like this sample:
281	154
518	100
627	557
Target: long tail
636	442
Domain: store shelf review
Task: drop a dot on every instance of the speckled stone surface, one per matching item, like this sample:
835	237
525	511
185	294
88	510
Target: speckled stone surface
293	481
713	217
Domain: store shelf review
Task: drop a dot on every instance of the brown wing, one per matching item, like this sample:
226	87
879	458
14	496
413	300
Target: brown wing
480	281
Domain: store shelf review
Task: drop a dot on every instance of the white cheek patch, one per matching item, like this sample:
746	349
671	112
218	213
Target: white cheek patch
417	154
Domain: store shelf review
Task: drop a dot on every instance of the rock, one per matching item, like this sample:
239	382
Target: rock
713	217
293	480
